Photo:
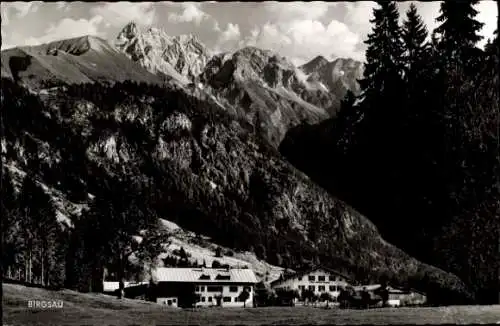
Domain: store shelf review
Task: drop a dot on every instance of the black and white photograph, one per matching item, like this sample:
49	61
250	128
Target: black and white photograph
250	163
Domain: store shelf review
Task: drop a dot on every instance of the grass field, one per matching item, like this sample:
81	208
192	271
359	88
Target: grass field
95	309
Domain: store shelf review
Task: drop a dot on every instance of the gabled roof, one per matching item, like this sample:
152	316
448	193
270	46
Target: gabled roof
313	269
391	288
368	287
203	275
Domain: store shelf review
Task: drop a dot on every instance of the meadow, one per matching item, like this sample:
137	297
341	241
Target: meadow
97	309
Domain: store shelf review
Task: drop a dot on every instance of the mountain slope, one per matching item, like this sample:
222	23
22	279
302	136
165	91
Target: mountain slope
78	60
208	174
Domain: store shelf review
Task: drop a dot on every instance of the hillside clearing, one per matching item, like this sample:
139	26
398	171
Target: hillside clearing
96	309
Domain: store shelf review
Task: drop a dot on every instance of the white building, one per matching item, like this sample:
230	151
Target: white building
215	286
110	287
317	280
396	296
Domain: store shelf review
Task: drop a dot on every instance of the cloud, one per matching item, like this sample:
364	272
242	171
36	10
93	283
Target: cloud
62	6
119	14
5	16
21	9
216	26
358	15
191	13
4	44
232	33
303	39
298	10
67	28
227	39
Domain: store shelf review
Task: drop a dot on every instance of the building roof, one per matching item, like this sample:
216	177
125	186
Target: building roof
197	275
392	289
300	274
369	287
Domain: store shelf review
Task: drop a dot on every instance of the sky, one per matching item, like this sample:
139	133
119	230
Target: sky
297	30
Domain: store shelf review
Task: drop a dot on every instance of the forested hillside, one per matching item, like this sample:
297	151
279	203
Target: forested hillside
418	151
130	153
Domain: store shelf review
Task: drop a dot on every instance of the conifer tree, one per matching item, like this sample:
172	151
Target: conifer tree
458	32
40	230
414	37
11	233
385	49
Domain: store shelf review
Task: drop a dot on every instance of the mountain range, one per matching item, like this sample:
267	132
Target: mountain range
265	89
208	126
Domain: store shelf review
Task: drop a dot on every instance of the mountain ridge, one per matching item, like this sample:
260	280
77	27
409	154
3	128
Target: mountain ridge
85	59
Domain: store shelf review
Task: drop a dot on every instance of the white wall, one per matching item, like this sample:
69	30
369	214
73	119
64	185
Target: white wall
202	290
113	286
164	301
295	283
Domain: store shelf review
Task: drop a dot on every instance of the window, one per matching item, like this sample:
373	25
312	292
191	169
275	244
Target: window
203	299
227	299
248	289
331	278
214	288
333	288
302	287
209	299
222	277
204	277
197	289
311	278
233	289
321	278
321	288
311	288
174	300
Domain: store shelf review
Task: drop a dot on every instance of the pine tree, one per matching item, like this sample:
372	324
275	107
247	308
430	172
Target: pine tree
458	30
385	49
414	37
40	226
10	228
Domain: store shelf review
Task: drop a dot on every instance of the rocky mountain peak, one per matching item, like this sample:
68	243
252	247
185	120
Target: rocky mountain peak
314	64
129	31
337	76
181	57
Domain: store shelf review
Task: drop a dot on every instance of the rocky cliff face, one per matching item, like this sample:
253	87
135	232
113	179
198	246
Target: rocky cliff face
266	90
181	57
210	174
338	76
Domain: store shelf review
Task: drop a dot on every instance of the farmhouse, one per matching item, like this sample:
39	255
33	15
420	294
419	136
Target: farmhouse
317	280
396	296
213	286
410	297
